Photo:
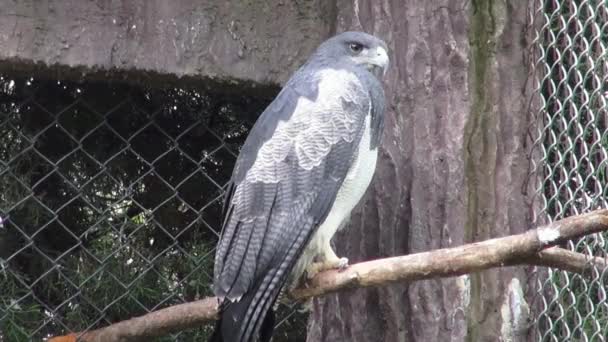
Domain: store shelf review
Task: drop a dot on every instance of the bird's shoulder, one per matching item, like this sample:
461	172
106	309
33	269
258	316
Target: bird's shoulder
316	108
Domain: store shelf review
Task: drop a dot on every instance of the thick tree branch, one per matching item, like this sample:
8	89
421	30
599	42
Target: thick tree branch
530	248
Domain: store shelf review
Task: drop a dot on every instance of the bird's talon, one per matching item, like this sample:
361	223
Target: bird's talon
313	270
306	306
343	264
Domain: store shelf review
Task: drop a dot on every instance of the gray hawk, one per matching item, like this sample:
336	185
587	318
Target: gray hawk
304	166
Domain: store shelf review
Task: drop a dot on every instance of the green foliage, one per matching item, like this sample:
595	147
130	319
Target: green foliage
112	201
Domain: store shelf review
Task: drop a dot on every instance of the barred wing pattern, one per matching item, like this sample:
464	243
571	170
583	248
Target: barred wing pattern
284	183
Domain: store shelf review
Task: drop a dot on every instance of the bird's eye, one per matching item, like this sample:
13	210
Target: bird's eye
355	47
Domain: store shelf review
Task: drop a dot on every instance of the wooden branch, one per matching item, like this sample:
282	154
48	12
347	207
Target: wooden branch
530	248
569	261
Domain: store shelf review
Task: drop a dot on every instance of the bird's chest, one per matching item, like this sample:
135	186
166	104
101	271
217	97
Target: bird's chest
356	182
353	188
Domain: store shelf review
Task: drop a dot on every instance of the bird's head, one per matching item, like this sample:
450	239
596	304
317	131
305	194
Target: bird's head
358	48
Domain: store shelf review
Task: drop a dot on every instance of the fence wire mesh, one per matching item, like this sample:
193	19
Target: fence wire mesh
571	68
110	202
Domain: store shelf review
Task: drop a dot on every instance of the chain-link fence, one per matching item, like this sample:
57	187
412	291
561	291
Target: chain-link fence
571	69
110	201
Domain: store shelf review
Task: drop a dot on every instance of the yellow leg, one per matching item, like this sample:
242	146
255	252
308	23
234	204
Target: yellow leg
329	261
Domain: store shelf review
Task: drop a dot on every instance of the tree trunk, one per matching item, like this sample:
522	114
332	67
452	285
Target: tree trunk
453	169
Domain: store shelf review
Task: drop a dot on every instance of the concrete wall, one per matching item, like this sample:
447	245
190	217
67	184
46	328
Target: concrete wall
227	41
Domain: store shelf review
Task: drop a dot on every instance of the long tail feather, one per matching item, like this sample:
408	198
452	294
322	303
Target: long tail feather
232	326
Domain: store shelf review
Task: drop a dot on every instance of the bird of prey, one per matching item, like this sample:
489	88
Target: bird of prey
304	166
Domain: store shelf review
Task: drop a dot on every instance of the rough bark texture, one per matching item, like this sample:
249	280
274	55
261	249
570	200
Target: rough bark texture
453	156
224	40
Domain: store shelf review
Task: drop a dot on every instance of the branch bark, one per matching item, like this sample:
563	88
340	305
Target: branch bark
535	247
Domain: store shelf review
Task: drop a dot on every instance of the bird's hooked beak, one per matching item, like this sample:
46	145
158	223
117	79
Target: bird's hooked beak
378	61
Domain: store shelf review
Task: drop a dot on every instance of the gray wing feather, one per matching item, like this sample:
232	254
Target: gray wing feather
286	179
